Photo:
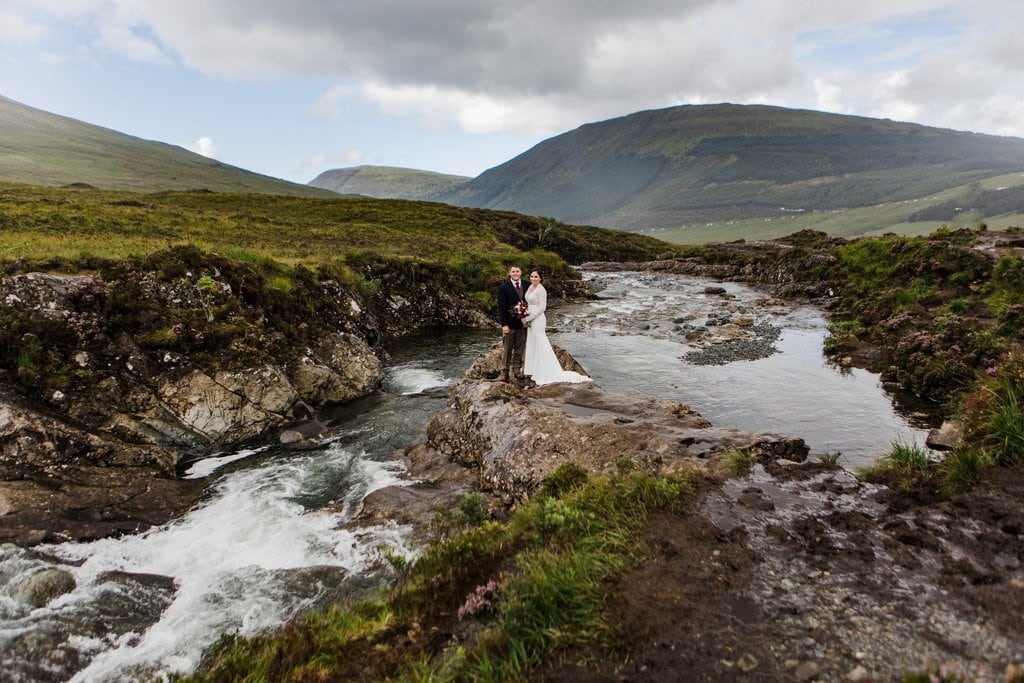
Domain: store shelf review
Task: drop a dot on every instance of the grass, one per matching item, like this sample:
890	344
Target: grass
995	412
60	223
737	463
520	590
906	465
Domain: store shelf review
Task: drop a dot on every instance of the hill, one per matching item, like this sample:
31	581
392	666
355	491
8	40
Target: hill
40	148
692	165
388	182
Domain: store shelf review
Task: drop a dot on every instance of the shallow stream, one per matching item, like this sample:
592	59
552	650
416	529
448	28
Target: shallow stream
268	540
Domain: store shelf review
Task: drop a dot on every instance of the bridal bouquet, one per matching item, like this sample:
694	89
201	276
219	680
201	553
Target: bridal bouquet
520	310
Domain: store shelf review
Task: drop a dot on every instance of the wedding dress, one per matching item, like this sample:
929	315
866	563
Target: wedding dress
540	360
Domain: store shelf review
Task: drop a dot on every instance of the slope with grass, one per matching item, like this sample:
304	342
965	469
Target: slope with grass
691	165
386	182
41	223
41	148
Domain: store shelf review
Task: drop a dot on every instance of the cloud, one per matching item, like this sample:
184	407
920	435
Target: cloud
16	28
206	147
532	65
328	107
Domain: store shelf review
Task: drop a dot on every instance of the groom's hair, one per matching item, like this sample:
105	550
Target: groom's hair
513	265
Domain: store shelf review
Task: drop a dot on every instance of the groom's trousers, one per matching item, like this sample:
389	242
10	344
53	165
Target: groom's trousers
513	348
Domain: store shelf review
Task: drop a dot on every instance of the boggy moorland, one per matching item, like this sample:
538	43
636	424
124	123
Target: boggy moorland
913	566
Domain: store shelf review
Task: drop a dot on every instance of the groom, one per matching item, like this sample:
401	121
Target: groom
513	334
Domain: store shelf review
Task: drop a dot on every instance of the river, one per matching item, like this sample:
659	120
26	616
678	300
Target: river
268	541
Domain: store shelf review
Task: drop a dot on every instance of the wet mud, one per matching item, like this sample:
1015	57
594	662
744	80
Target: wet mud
800	573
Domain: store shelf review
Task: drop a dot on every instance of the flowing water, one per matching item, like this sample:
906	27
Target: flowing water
268	540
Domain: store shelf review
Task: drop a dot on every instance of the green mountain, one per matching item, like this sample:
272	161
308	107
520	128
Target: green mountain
388	182
40	148
687	166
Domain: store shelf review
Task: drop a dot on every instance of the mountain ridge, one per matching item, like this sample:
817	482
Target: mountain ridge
668	167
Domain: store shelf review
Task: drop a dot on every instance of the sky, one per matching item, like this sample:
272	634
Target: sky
293	88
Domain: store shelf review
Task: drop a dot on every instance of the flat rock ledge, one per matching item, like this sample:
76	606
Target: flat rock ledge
505	439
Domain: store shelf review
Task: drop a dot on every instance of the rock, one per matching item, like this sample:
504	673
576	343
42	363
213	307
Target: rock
948	437
302	432
487	365
806	671
290	436
858	674
43	586
60	482
32	441
755	499
517	437
747	662
714	290
342	368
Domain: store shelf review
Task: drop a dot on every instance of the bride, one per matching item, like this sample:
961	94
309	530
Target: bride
540	363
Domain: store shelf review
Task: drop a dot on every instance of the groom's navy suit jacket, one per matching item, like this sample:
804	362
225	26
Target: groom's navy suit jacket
507	298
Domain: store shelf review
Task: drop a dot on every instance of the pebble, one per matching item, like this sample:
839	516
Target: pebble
747	662
806	671
858	674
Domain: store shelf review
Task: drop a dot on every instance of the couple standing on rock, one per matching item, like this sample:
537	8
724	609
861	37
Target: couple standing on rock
526	351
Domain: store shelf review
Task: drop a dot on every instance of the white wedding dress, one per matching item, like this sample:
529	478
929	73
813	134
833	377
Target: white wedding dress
540	361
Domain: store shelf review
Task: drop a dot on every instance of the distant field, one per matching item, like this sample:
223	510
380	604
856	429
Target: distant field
852	222
38	222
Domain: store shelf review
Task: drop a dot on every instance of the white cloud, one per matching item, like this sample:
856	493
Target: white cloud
205	146
123	40
328	107
17	28
828	97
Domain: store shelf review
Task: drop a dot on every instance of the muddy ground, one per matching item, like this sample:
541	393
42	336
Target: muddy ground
804	573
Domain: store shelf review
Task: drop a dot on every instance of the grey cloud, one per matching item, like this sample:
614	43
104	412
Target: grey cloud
529	46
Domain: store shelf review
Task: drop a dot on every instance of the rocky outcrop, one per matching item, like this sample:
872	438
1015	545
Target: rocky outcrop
60	482
341	368
508	438
517	437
